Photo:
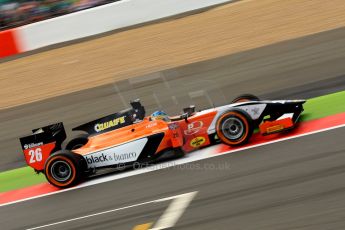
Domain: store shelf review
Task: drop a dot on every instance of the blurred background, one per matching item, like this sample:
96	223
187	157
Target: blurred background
15	13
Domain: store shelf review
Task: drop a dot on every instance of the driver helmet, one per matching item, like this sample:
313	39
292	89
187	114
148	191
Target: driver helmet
159	115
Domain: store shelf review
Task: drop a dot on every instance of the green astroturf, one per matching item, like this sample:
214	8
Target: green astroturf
313	109
19	178
324	106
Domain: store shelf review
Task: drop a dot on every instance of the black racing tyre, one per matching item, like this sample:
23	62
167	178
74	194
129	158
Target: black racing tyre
234	127
77	142
64	169
245	97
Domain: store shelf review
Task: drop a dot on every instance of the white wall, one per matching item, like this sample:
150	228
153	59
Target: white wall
104	18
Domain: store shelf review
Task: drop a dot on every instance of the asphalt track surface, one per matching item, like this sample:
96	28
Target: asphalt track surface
294	184
300	68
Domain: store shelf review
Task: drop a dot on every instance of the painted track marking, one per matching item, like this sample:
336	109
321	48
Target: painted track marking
175	210
169	217
143	226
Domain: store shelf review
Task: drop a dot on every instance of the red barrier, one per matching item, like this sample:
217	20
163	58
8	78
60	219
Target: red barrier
8	43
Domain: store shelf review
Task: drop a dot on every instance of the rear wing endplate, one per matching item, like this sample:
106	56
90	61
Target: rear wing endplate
41	143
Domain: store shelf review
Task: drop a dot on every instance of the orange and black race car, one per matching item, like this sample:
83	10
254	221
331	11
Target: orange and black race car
129	137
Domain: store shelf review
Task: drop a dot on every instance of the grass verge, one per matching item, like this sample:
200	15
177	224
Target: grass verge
19	178
324	106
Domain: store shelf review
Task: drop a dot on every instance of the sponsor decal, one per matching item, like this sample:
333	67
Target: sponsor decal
29	146
173	126
193	127
255	111
114	157
274	129
125	156
97	159
109	124
128	152
153	124
198	141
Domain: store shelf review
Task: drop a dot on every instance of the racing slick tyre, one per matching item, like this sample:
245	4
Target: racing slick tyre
245	97
64	169
77	142
234	127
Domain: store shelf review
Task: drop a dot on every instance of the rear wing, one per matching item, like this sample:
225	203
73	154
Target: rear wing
41	143
115	121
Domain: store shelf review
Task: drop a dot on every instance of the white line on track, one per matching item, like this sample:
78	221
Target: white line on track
167	220
174	211
196	156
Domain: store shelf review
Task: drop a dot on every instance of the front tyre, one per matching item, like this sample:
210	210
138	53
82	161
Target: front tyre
234	127
245	98
64	169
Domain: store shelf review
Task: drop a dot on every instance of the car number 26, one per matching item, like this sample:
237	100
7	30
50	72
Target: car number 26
35	155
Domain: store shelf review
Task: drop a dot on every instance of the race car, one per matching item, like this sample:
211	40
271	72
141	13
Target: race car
129	137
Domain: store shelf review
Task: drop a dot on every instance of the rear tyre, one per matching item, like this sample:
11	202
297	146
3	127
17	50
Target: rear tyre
234	127
77	142
245	97
64	169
